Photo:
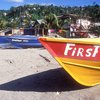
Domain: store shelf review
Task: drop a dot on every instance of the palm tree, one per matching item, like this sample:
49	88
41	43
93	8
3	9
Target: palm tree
51	21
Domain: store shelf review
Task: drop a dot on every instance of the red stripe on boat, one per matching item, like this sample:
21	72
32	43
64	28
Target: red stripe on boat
75	51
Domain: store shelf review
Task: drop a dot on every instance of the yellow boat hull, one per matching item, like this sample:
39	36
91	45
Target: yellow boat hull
84	72
83	66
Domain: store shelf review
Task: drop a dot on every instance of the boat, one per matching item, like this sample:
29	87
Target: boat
4	43
24	41
80	57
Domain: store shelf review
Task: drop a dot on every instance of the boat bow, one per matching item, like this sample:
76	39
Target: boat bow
79	57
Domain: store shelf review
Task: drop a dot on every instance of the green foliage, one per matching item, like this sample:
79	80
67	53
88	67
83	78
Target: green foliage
21	16
52	21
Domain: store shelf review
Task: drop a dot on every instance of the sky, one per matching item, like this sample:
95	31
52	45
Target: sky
7	4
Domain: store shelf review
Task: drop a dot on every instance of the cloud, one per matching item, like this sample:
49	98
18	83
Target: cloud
17	1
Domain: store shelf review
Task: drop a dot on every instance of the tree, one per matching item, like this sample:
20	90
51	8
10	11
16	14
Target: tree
52	21
3	24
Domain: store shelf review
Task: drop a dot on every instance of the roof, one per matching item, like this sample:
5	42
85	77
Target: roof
41	21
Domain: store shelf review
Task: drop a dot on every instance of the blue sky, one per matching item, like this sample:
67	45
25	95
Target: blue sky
6	4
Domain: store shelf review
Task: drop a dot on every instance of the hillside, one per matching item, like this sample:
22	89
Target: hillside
27	14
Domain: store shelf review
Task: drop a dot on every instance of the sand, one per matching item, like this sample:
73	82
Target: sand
33	74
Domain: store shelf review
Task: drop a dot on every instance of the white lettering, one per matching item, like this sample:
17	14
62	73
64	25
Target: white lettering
95	51
16	40
80	52
74	51
88	51
68	48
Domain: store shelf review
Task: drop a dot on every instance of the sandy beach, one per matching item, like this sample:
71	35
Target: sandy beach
33	74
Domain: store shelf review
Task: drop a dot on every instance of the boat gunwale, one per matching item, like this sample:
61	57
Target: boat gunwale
71	40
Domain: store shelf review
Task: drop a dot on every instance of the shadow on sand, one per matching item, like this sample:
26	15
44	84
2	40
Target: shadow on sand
49	81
